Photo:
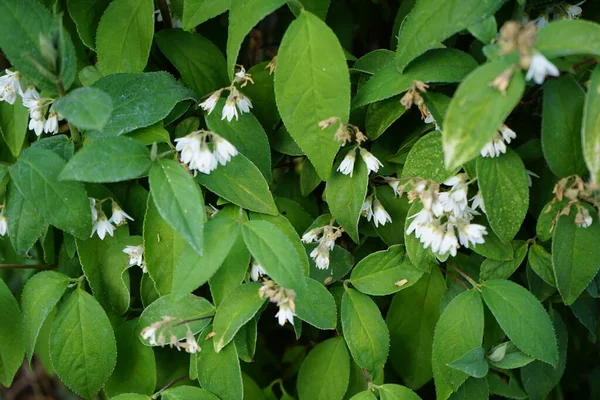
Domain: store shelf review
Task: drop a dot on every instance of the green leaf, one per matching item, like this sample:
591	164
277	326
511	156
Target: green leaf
381	115
575	255
196	12
494	269
86	14
340	263
411	321
439	65
63	204
187	393
275	252
540	262
364	330
346	194
591	126
485	30
13	125
426	160
421	258
563	38
200	63
12	345
162	248
245	340
397	207
247	135
243	16
59	144
154	92
493	247
136	369
242	183
476	112
105	266
391	391
459	329
188	307
473	363
366	395
192	270
82	344
523	319
316	306
561	126
131	396
86	108
312	84
25	224
540	378
40	294
503	184
111	159
374	61
431	22
178	200
472	389
124	36
155	133
220	372
21	25
236	309
325	371
385	272
511	357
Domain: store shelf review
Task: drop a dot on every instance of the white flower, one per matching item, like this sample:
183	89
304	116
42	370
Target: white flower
149	333
432	235
429	119
471	233
243	103
284	314
10	86
477	202
224	150
210	103
366	209
191	346
449	243
320	255
136	254
94	209
583	219
3	225
37	125
497	145
102	226
573	10
51	124
204	160
119	216
507	133
539	68
188	146
347	165
256	271
542	21
380	216
311	236
229	110
372	162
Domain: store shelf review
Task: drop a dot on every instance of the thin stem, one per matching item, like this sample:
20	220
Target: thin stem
187	321
467	277
164	11
74	131
41	267
451	275
168	385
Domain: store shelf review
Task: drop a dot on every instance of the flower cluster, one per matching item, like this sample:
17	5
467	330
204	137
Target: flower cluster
413	96
196	154
497	146
560	11
444	215
325	236
373	209
581	195
101	224
284	298
136	256
155	335
234	99
39	122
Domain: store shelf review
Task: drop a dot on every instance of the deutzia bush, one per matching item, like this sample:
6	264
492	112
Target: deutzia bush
303	199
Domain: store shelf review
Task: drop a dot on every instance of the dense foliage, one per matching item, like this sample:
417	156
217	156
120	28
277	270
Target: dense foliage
312	199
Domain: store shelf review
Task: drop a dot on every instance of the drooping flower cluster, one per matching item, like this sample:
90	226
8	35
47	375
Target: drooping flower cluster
579	194
497	146
41	121
373	209
325	236
234	99
197	155
284	298
347	133
445	214
136	256
560	11
155	335
101	224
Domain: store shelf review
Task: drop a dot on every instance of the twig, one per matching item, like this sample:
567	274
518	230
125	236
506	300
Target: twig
164	11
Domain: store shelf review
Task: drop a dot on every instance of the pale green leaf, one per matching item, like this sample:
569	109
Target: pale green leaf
86	14
426	160
13	125
196	12
25	224
187	393
316	306
86	108
12	329
591	126
220	372
392	391
567	37
473	363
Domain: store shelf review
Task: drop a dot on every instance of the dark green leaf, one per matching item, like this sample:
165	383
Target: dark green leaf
12	345
13	125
